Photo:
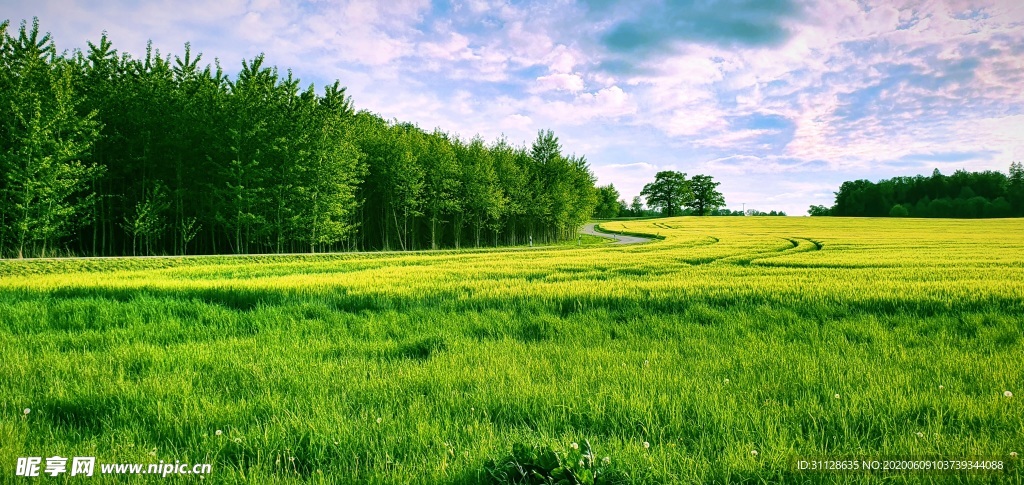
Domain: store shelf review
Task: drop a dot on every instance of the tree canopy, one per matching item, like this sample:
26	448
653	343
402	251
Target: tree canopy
608	205
105	154
669	192
961	195
706	197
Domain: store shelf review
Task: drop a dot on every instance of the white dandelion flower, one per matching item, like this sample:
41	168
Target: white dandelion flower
941	387
27	410
647	445
836	396
1007	393
574	446
608	460
380	420
1013	454
920	434
753	452
219	432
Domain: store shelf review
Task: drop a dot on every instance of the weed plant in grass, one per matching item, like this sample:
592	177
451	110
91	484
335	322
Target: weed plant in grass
795	338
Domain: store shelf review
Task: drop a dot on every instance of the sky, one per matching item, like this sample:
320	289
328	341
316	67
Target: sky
779	100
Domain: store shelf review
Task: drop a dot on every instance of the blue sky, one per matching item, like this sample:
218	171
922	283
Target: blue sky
779	100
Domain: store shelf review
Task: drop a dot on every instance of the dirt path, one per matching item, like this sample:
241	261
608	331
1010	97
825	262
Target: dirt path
619	238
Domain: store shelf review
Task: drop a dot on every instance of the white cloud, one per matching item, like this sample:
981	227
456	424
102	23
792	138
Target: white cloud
494	67
517	127
607	103
572	83
455	48
561	59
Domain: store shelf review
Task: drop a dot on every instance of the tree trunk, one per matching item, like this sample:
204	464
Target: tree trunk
401	241
433	233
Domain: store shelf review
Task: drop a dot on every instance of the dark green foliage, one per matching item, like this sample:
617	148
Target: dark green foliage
636	208
819	210
103	154
899	211
45	140
422	349
706	197
966	195
608	205
542	465
669	192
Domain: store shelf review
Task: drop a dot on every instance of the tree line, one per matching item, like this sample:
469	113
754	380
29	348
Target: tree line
670	194
105	154
963	194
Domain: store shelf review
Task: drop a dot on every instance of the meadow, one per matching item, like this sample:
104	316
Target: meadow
725	351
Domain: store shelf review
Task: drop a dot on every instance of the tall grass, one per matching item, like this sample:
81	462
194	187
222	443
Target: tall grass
729	336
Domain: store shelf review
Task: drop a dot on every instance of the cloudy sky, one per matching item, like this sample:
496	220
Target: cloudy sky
779	100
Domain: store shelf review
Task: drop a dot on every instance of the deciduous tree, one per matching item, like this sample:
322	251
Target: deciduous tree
668	193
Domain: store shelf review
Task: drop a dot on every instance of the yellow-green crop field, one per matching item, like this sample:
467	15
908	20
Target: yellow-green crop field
726	352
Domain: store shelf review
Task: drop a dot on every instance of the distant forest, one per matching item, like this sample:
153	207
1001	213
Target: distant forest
104	154
968	195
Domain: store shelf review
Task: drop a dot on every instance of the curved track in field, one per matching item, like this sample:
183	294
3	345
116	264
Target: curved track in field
619	238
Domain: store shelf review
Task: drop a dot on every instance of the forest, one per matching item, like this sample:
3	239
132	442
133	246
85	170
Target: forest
103	154
965	195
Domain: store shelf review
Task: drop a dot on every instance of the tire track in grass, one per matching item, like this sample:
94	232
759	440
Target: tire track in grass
797	245
800	245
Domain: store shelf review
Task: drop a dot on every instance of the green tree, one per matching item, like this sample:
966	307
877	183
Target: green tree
441	183
43	142
668	193
607	202
899	211
482	198
511	164
193	161
148	221
581	197
394	182
706	197
242	197
819	210
636	207
1015	188
332	170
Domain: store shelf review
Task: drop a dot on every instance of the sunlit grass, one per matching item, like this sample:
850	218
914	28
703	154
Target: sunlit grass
731	335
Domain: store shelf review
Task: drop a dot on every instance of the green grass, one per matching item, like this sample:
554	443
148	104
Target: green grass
730	335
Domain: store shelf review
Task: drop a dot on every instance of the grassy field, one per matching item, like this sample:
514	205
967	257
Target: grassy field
733	348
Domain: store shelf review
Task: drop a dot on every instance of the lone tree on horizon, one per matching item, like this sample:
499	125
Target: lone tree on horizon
706	197
668	193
